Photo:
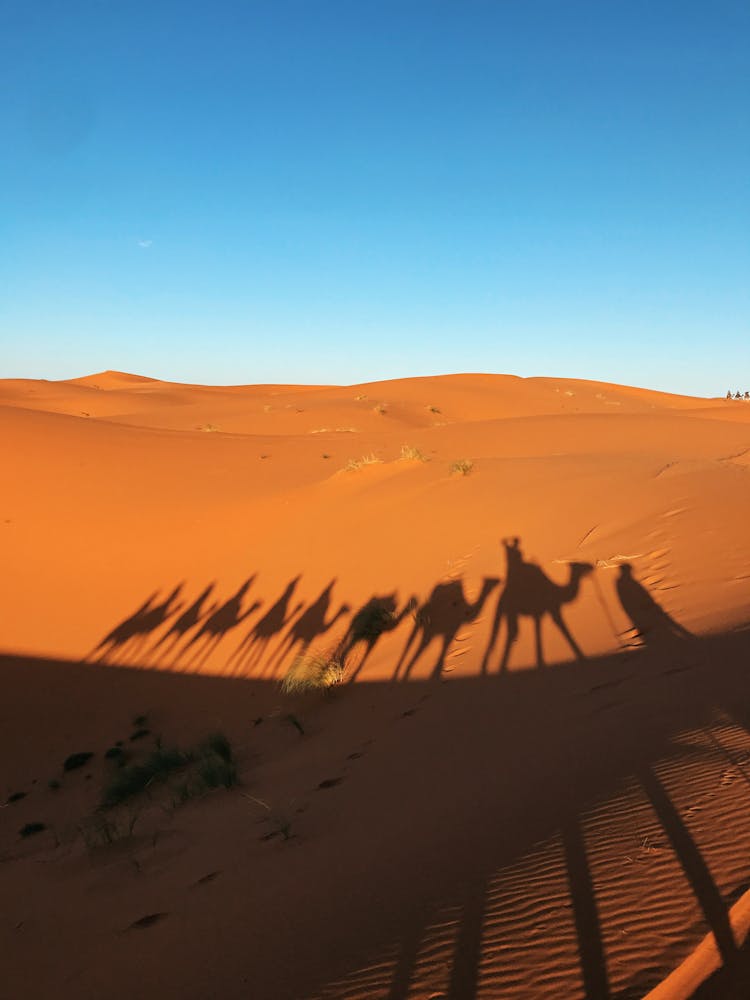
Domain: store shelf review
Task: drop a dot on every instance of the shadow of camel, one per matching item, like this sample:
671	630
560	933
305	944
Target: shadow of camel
530	593
440	617
250	651
133	632
189	618
216	626
309	626
375	617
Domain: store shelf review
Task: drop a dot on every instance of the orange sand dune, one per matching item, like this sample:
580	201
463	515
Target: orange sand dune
531	779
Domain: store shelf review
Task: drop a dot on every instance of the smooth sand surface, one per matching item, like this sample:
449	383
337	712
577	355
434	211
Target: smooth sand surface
463	815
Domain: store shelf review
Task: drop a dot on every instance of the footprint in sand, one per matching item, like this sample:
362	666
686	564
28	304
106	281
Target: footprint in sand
148	921
330	783
205	879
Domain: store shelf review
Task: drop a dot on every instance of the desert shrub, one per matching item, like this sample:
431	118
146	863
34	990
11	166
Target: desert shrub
411	454
312	672
100	829
213	771
215	765
462	467
136	778
211	764
357	463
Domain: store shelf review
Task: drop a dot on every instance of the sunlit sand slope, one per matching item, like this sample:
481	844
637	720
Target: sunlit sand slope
530	780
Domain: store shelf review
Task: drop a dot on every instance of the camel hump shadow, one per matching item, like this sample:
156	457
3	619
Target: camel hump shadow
440	618
530	593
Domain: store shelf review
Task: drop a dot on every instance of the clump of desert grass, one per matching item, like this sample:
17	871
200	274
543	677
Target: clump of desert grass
411	454
209	764
313	672
380	409
356	463
461	467
434	409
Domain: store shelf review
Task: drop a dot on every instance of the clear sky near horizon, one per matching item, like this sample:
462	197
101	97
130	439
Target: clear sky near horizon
337	191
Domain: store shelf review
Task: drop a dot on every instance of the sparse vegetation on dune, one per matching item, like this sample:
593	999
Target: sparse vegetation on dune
313	672
411	454
210	764
357	463
461	467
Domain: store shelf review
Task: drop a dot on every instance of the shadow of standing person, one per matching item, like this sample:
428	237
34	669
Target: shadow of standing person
651	623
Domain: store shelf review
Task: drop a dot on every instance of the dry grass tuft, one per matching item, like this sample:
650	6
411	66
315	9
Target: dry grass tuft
357	463
313	672
411	454
461	467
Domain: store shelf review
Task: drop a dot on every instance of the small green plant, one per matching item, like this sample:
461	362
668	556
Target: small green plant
411	454
357	463
100	830
211	764
136	778
215	765
313	672
462	467
213	771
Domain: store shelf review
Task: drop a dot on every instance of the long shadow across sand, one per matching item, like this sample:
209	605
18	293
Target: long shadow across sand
471	805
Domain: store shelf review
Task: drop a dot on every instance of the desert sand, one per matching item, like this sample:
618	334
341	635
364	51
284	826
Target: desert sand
531	777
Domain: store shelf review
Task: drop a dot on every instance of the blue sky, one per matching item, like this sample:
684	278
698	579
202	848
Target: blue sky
347	190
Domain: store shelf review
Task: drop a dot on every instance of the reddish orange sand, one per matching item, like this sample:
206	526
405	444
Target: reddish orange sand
471	818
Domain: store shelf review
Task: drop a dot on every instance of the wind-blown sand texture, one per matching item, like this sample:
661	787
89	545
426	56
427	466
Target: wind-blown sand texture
461	816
